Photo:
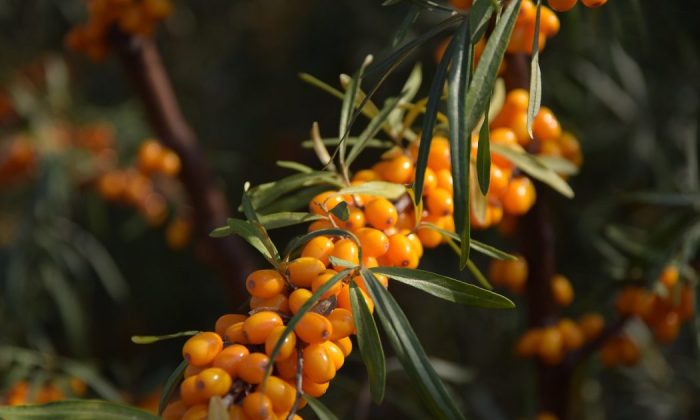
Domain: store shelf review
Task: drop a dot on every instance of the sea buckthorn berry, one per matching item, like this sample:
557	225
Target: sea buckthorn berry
314	389
318	366
430	180
407	220
499	179
593	3
189	392
461	4
669	277
235	412
257	406
429	236
513	273
416	244
519	197
235	333
546	127
226	321
356	219
571	334
170	163
686	307
304	270
549	24
345	345
551	345
591	325
439	155
344	299
517	100
400	252
334	353
369	262
265	283
398	170
298	298
319	247
666	329
213	382
562	5
528	343
313	328
230	357
278	303
444	178
365	175
322	279
624	303
628	351
290	341
518	123
200	349
346	249
324	202
320	225
196	412
374	242
149	156
526	15
642	303
381	213
252	367
440	202
562	291
259	325
280	393
174	411
193	370
287	368
343	323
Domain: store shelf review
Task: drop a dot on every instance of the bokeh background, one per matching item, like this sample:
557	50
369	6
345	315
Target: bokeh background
624	78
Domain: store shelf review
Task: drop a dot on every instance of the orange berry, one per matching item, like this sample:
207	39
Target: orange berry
318	366
546	127
528	343
369	262
562	5
686	307
230	357
398	170
551	346
226	321
252	367
366	175
628	351
278	303
189	393
346	249
345	345
609	354
593	3
265	283
416	244
288	346
281	394
197	412
325	202
313	328
334	353
519	197
112	185
430	180
236	334
400	252
444	178
343	323
591	325
287	368
356	219
549	23
669	277
319	247
624	303
374	242
316	390
213	382
666	329
562	291
200	349
259	325
344	299
381	213
499	179
439	155
149	156
304	270
170	163
526	15
429	237
257	406
320	225
322	279
174	411
440	203
571	334
298	298
461	4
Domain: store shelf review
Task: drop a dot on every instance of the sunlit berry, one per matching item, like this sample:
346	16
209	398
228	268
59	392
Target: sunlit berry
562	291
252	367
444	178
314	389
343	323
549	23
325	202
591	325
304	270
265	283
226	321
398	170
236	334
259	325
373	241
213	382
439	155
297	299
440	202
334	353
313	328
546	127
400	253
344	299
189	393
200	349
278	303
669	277
322	279
519	197
257	406
562	5
381	213
230	357
345	345
197	412
319	248
318	366
281	394
528	343
347	250
551	345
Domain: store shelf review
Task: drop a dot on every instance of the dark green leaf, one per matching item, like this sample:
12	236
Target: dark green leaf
410	352
300	241
341	211
265	194
75	410
534	167
477	246
408	20
171	385
252	234
477	274
369	343
248	209
318	407
445	287
479	16
339	262
298	199
483	156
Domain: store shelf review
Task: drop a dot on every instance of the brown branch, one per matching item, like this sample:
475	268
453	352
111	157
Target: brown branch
144	67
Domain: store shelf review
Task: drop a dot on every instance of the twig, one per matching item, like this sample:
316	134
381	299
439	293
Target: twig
299	378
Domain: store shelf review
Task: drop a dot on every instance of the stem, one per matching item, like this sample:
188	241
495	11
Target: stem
143	65
300	369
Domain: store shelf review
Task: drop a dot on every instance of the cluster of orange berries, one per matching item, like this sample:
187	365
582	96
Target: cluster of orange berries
21	393
566	5
523	36
17	159
551	343
231	361
134	17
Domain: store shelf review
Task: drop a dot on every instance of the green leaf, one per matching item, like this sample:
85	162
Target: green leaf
477	246
446	288
75	410
150	339
558	164
335	261
431	110
460	134
384	189
301	240
287	218
295	166
341	211
479	17
346	112
171	385
408	92
252	234
410	352
266	194
483	157
535	98
299	199
369	343
477	274
534	167
250	214
333	141
408	20
372	129
320	409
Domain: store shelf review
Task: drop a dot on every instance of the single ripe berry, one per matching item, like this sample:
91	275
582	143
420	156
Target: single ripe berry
439	155
591	325
528	343
235	412
236	334
549	26
230	357
189	392
551	345
226	321
298	298
334	353
252	368
199	350
213	382
277	303
287	368
374	242
288	344
562	291
320	225
444	178
265	283
440	202
365	175
398	170
314	389
170	163
304	270
430	180
356	219
686	307
400	252
322	279
345	249
344	299
257	406
628	351
519	197
343	323
381	214
562	5
345	345
318	366
416	244
259	325
280	393
197	412
149	156
572	336
666	329
319	248
174	411
526	15
313	328
669	277
546	127
500	177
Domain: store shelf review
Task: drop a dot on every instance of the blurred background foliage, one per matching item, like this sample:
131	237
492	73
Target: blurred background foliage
79	276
